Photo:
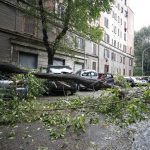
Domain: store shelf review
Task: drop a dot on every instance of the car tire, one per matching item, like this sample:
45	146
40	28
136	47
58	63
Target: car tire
78	87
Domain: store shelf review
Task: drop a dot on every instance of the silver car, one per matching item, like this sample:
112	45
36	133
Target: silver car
86	73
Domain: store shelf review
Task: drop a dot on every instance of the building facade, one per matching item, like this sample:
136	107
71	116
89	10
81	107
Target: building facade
117	47
21	42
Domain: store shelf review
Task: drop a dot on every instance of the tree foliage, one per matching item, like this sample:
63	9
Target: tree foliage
142	42
77	16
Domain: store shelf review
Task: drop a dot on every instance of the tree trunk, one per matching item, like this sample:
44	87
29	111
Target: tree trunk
51	49
89	83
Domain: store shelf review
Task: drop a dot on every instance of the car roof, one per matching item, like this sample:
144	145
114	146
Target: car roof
87	70
60	69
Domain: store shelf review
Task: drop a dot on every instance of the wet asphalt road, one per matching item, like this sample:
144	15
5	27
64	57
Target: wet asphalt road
77	94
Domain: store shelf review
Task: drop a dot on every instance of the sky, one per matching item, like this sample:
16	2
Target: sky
141	9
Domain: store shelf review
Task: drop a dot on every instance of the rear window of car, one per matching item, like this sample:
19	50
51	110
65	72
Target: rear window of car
93	74
86	74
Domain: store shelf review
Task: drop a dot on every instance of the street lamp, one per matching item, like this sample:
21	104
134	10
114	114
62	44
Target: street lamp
143	59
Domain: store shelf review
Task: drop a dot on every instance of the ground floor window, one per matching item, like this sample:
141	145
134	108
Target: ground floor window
94	65
130	72
28	60
106	68
58	62
78	66
124	72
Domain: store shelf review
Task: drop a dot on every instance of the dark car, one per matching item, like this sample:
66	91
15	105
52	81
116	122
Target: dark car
146	78
106	77
57	87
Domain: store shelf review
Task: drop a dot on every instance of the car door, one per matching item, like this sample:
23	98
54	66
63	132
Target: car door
94	75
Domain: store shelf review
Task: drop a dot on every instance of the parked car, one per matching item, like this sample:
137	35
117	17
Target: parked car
147	78
106	77
65	87
139	81
130	81
9	87
86	73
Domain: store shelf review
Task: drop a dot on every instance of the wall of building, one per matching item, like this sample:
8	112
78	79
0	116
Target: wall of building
118	39
13	40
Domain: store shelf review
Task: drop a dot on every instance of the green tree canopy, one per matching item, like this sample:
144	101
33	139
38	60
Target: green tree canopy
76	16
141	43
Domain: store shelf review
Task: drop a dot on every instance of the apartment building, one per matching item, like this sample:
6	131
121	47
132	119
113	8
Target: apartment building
21	41
117	48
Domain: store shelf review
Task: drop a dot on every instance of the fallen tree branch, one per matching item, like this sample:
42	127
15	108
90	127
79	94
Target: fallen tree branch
89	83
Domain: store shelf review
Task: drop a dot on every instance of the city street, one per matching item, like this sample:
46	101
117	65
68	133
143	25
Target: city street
77	94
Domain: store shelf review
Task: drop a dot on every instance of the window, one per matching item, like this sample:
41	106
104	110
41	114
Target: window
130	50
113	56
125	36
78	66
124	48
125	25
126	13
106	68
125	2
118	19
106	38
29	25
80	43
58	62
106	22
106	53
121	9
115	29
120	59
130	62
124	72
94	49
28	60
49	5
130	73
94	65
118	45
121	21
124	59
118	32
115	16
118	6
61	10
114	43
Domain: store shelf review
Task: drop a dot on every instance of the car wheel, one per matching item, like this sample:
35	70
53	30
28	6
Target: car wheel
68	92
78	87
